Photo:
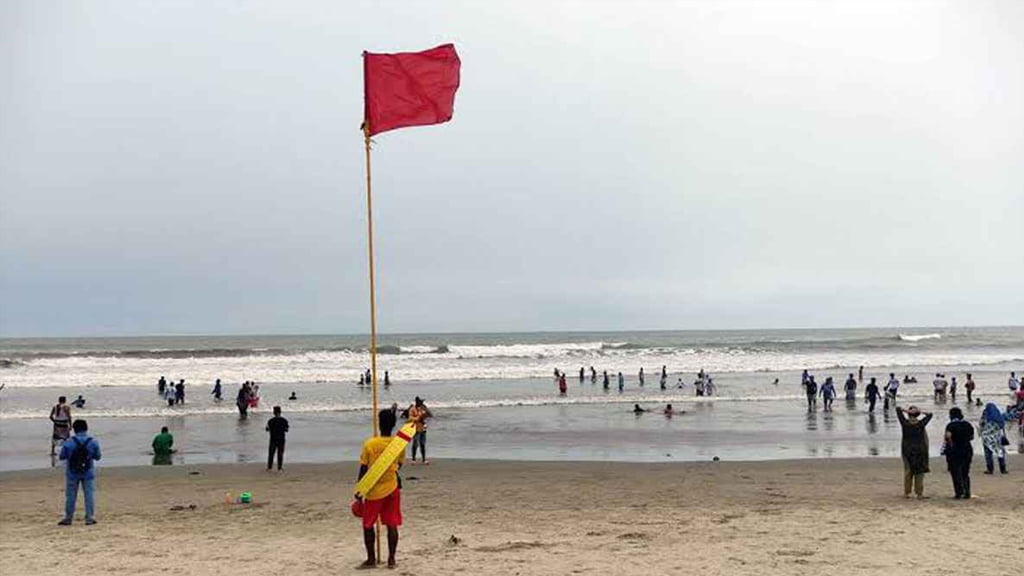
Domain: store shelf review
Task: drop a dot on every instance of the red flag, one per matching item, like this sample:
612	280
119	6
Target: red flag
410	88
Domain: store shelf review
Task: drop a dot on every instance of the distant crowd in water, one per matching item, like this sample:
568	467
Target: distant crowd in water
704	385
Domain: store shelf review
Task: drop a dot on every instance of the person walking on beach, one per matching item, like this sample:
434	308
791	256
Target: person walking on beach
969	386
851	389
60	416
622	382
860	374
952	389
179	392
993	437
871	394
218	392
79	451
959	452
418	414
811	388
387	379
163	447
384	500
605	383
593	375
891	390
278	428
914	449
828	394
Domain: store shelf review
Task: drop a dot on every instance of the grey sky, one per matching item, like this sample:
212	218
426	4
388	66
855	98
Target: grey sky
170	167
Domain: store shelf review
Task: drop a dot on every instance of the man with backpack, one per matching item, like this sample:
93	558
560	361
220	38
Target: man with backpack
79	451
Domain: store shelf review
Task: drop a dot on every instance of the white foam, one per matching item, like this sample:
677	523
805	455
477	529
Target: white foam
919	337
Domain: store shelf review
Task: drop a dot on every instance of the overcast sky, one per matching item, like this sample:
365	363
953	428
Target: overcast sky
196	167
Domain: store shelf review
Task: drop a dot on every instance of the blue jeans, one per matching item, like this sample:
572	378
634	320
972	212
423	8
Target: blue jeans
71	497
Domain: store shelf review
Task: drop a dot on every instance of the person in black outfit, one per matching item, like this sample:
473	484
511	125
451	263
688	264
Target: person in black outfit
179	392
278	427
871	394
959	452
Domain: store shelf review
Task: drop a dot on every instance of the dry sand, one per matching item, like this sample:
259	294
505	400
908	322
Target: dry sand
783	517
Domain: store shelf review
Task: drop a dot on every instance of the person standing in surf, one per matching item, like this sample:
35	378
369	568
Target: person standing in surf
593	375
60	416
622	382
851	389
811	389
871	395
641	375
828	394
242	400
562	388
914	449
582	372
891	390
605	383
217	391
969	386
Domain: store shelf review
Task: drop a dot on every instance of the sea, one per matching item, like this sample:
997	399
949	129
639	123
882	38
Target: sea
493	396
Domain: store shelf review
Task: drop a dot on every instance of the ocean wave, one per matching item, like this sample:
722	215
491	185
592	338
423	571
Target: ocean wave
918	337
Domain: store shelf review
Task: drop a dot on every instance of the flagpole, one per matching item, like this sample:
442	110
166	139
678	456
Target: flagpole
373	299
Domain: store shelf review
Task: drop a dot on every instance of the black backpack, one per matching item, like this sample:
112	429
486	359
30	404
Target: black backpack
81	459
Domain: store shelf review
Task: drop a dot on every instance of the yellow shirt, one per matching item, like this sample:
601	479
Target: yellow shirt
388	482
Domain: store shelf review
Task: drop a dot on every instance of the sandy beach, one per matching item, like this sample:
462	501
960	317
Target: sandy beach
520	518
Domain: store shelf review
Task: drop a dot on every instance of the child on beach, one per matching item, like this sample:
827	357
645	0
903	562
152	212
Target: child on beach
384	499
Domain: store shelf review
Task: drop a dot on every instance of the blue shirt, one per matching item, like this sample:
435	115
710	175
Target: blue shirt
94	454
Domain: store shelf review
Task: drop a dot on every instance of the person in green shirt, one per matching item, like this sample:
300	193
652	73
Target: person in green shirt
163	447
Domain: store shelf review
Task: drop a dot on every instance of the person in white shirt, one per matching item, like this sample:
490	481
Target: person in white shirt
891	389
939	385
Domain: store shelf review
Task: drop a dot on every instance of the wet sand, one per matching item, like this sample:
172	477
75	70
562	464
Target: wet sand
777	517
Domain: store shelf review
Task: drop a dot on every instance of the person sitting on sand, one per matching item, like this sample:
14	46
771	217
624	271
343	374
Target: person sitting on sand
293	396
914	449
384	499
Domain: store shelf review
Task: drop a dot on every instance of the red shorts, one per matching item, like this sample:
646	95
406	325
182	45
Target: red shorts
389	508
